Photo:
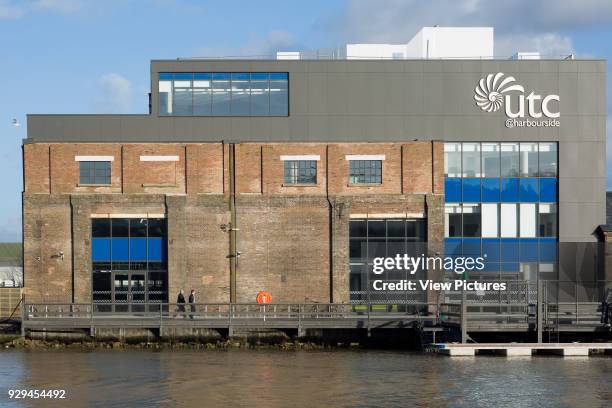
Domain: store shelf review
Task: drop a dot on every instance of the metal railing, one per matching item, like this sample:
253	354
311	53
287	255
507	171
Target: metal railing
211	311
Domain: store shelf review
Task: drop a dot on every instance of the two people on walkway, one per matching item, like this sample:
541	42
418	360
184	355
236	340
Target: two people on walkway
180	301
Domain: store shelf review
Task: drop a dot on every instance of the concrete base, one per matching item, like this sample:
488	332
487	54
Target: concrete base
518	352
459	352
576	352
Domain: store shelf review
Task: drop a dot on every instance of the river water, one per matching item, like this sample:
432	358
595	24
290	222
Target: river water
126	378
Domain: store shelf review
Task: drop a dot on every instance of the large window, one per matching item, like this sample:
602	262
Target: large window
365	172
501	201
300	172
130	262
94	172
223	94
371	238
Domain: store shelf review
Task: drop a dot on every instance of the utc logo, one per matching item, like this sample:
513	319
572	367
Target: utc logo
493	92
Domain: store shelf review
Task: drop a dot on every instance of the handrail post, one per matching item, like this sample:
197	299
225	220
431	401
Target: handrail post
369	327
299	320
230	331
539	302
23	315
463	317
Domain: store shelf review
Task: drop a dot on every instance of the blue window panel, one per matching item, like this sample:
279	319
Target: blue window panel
548	190
278	75
510	190
472	246
183	76
471	190
529	249
165	76
221	75
491	190
202	76
158	250
138	249
452	247
548	249
490	248
100	250
528	191
509	267
509	249
491	267
120	249
260	76
452	190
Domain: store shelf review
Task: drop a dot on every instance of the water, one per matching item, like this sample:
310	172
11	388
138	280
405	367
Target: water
126	378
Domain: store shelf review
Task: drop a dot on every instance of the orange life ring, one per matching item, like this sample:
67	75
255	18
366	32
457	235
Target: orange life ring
264	297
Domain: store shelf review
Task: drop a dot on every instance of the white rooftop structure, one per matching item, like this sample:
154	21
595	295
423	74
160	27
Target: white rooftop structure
428	43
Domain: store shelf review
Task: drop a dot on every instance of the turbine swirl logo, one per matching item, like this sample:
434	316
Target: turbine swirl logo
489	93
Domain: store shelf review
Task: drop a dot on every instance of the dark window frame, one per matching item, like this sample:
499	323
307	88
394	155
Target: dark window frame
365	172
298	172
89	173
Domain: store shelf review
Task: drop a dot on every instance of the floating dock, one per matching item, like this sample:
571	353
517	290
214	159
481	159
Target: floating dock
523	349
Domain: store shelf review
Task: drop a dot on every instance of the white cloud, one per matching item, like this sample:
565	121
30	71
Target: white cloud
115	94
550	45
519	24
10	11
15	9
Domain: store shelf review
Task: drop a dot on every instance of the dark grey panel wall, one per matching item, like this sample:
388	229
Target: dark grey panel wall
349	101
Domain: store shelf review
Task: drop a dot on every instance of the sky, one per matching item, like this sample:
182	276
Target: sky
88	56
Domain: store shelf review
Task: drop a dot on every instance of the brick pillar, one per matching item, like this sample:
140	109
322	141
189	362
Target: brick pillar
81	244
340	217
435	238
177	246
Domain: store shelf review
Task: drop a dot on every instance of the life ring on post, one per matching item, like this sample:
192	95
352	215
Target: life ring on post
264	297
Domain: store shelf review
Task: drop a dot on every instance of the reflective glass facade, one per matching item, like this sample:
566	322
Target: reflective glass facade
501	201
129	260
223	94
371	238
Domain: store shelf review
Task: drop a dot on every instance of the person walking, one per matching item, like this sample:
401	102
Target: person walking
192	306
605	308
180	300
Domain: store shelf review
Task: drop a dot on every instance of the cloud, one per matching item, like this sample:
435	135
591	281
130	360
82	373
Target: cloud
115	94
257	46
13	9
519	24
548	44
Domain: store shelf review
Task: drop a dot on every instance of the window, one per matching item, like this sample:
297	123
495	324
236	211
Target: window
453	223
221	94
300	172
182	100
96	172
528	220
471	159
240	94
490	160
489	220
529	160
547	220
471	220
509	159
224	94
202	94
452	159
365	172
508	220
548	159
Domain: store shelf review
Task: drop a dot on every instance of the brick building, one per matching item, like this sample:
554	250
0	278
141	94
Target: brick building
277	175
